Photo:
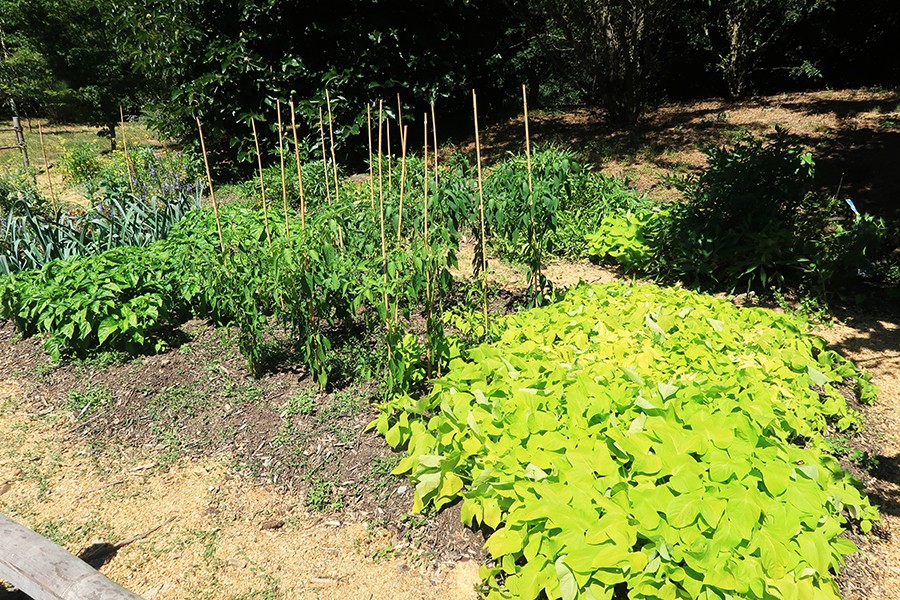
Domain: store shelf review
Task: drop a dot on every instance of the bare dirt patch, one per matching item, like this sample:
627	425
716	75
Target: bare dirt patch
264	488
871	339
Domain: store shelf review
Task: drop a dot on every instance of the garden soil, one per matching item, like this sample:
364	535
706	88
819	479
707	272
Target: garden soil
219	535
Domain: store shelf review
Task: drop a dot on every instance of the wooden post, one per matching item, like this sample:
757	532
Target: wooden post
47	168
537	273
20	137
425	191
381	207
337	193
212	192
428	357
44	571
390	169
128	164
324	158
371	166
299	168
434	132
287	225
262	183
402	183
481	215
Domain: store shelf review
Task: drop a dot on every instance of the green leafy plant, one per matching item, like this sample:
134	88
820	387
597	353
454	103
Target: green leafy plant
642	440
623	238
119	300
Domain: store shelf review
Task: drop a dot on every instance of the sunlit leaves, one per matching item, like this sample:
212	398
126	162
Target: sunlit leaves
646	437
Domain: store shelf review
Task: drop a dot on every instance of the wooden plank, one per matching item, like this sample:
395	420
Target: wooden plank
44	571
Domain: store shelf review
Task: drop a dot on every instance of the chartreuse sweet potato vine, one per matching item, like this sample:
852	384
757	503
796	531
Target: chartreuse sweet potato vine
642	442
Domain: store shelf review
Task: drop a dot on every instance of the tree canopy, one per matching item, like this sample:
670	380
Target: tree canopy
227	61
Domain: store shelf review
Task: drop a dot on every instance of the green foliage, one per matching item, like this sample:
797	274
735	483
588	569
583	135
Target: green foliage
80	163
85	402
623	238
565	202
599	197
31	239
119	300
76	43
19	184
749	221
642	440
166	187
324	496
358	51
568	202
738	32
610	50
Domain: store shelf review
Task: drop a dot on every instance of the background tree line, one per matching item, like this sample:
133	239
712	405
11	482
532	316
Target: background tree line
229	60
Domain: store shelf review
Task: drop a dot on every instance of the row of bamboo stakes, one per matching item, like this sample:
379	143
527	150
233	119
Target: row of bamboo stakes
333	176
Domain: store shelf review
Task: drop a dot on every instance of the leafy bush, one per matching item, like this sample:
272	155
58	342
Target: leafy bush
119	300
601	197
624	238
155	173
568	203
313	185
18	184
748	221
646	441
80	163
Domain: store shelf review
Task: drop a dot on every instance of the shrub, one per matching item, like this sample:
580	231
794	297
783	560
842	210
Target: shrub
627	239
19	184
749	221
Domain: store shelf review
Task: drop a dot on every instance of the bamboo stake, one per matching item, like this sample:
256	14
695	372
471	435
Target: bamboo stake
402	182
387	125
425	199
299	169
371	166
324	159
400	121
125	146
262	185
536	276
47	168
436	188
212	192
287	226
337	193
427	247
481	215
381	205
434	132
